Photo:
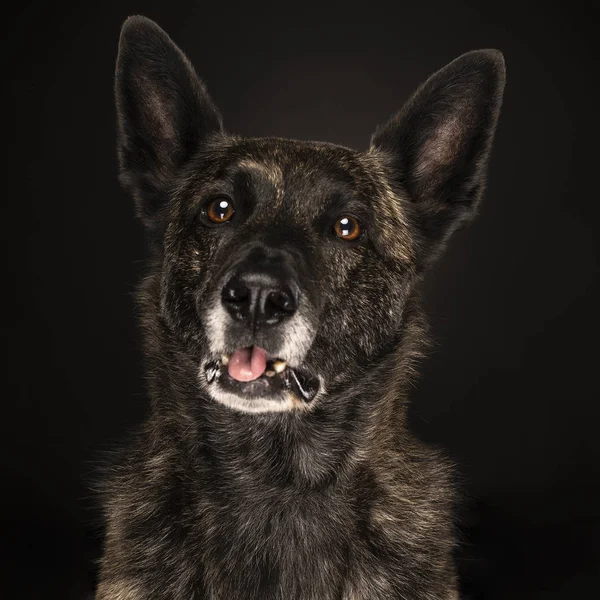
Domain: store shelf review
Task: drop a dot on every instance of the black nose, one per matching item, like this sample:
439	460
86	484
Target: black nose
259	298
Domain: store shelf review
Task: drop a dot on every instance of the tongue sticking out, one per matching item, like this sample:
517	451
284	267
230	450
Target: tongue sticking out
247	364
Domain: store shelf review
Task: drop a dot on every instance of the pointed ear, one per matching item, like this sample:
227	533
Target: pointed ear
436	148
164	114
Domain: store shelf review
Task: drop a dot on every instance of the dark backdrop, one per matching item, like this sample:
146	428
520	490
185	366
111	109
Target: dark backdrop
510	390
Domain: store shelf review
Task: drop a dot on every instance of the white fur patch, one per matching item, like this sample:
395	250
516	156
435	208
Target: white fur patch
298	336
288	401
215	321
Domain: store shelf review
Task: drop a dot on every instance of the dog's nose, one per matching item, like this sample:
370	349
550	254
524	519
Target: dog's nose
259	298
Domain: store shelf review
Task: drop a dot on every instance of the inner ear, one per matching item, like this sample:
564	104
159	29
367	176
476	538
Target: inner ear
442	148
442	151
157	111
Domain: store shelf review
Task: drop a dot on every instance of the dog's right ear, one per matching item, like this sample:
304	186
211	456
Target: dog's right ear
164	114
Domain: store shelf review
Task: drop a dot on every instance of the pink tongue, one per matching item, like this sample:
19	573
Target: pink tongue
247	364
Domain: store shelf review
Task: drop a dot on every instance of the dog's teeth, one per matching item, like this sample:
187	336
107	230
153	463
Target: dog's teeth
225	359
270	373
279	366
212	372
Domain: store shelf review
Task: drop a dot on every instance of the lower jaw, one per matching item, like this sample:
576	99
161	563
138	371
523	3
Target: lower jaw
299	384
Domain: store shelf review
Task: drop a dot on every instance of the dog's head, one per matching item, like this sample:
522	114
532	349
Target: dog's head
284	266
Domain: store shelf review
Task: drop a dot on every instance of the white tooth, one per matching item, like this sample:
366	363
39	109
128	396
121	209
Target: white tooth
279	366
270	373
225	359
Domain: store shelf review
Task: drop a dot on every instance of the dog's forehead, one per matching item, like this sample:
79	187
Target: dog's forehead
290	155
288	169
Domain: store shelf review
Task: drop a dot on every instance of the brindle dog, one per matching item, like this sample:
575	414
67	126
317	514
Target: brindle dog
282	326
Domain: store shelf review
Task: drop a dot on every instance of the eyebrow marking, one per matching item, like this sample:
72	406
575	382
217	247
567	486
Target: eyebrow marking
271	172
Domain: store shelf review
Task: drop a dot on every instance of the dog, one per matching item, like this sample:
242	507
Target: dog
282	329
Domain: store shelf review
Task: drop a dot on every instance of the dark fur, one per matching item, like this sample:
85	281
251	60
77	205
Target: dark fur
335	500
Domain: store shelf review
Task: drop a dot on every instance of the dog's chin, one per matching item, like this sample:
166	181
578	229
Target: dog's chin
281	388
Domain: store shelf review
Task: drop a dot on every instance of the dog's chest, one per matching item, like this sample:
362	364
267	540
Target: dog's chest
278	548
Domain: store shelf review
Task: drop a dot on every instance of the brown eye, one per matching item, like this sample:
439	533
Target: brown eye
220	210
347	228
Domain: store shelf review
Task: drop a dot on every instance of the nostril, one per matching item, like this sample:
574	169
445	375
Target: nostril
235	292
237	299
282	300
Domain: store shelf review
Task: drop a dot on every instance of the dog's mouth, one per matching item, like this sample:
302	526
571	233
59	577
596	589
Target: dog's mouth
251	373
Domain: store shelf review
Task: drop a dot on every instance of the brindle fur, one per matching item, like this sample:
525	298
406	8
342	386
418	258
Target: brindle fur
334	500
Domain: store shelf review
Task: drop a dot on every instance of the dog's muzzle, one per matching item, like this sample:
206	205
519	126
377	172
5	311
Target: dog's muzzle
260	331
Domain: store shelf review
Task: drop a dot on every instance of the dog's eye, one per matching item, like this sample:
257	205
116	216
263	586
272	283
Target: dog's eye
220	210
347	228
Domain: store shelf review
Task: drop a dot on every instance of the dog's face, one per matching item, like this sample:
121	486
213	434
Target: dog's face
289	262
285	265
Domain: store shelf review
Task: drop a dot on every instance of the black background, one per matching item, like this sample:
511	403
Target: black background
510	390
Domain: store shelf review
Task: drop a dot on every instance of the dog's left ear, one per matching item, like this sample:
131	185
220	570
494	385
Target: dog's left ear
436	148
164	114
